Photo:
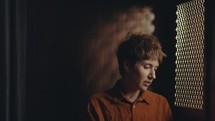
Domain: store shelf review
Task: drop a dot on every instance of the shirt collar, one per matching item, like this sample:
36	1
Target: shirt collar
118	94
143	97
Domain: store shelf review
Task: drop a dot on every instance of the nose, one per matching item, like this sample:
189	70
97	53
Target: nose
152	74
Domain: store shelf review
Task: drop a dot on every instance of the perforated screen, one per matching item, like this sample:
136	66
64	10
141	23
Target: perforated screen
190	55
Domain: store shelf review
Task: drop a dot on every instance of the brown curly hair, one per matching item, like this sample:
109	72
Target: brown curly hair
139	47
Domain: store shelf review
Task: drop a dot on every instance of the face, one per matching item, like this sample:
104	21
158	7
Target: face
143	74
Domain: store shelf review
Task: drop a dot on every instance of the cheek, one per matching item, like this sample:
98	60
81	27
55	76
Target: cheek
141	74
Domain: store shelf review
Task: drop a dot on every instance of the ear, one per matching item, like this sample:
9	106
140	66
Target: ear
126	65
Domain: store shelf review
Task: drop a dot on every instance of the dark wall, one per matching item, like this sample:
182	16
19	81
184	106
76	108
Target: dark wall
210	57
54	52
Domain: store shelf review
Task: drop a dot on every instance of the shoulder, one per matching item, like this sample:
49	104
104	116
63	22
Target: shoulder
152	96
100	97
108	94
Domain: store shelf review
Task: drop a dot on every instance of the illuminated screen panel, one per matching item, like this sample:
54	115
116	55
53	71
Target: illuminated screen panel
190	55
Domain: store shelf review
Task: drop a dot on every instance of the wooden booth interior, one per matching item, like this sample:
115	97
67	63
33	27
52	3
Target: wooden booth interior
56	53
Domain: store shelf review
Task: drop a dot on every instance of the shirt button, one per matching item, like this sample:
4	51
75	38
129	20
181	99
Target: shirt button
133	106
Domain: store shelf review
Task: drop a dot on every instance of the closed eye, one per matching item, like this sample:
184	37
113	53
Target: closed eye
147	66
150	67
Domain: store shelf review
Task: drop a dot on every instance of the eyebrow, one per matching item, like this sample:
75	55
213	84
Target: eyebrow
148	63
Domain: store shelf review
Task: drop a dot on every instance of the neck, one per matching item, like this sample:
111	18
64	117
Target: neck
130	94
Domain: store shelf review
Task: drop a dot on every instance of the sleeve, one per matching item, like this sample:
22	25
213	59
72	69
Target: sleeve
94	112
168	112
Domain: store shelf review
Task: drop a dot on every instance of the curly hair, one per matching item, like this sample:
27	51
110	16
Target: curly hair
139	47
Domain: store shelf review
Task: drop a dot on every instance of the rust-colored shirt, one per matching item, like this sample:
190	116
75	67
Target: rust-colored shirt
113	106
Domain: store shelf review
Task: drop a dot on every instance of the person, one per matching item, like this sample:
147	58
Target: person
130	99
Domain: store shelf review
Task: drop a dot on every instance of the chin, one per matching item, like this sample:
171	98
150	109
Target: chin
143	88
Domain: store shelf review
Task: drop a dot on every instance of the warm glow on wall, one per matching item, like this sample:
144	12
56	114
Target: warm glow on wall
190	55
102	40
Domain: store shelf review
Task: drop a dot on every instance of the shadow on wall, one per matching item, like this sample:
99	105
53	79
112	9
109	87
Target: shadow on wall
100	61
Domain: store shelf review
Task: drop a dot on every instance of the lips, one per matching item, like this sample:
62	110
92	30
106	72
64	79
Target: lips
147	83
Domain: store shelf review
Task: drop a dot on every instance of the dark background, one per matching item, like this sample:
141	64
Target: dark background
47	62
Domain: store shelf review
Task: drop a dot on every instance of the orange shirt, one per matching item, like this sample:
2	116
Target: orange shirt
113	106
